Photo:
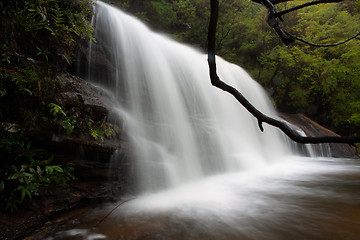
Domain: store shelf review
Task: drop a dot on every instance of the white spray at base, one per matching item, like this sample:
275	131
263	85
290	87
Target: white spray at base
181	128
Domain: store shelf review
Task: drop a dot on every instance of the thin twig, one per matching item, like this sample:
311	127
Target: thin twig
279	14
323	45
6	130
279	1
107	215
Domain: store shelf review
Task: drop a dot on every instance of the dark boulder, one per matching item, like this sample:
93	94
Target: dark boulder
311	128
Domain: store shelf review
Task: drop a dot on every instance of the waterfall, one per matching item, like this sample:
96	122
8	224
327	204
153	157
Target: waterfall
180	127
204	169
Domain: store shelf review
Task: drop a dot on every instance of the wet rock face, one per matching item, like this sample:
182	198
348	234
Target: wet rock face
103	168
95	160
94	61
77	93
312	128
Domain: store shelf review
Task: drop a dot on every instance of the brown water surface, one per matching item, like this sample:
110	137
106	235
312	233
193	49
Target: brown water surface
307	199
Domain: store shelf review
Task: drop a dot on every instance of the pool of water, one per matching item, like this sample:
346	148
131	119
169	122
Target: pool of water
302	198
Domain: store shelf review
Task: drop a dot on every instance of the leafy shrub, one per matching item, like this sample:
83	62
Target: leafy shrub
99	130
45	30
59	116
37	40
23	175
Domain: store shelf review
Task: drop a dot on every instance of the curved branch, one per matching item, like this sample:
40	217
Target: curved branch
274	2
323	45
283	126
279	14
279	1
286	37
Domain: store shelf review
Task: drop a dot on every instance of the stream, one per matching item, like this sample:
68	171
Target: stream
305	198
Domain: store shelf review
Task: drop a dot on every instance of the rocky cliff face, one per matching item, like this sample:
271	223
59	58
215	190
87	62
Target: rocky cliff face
314	129
102	167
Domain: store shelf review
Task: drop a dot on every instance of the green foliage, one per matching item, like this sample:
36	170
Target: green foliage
322	82
38	39
45	29
59	116
163	13
11	142
56	110
99	130
94	128
26	172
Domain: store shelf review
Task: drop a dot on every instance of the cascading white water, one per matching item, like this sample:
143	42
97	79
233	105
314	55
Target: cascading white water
224	179
182	128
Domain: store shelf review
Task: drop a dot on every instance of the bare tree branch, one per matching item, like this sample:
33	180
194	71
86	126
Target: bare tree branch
273	23
323	45
279	14
274	2
279	1
286	37
282	125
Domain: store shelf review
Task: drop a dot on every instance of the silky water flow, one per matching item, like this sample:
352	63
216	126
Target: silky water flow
204	170
181	128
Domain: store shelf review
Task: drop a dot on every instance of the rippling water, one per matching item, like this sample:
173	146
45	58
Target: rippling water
304	198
